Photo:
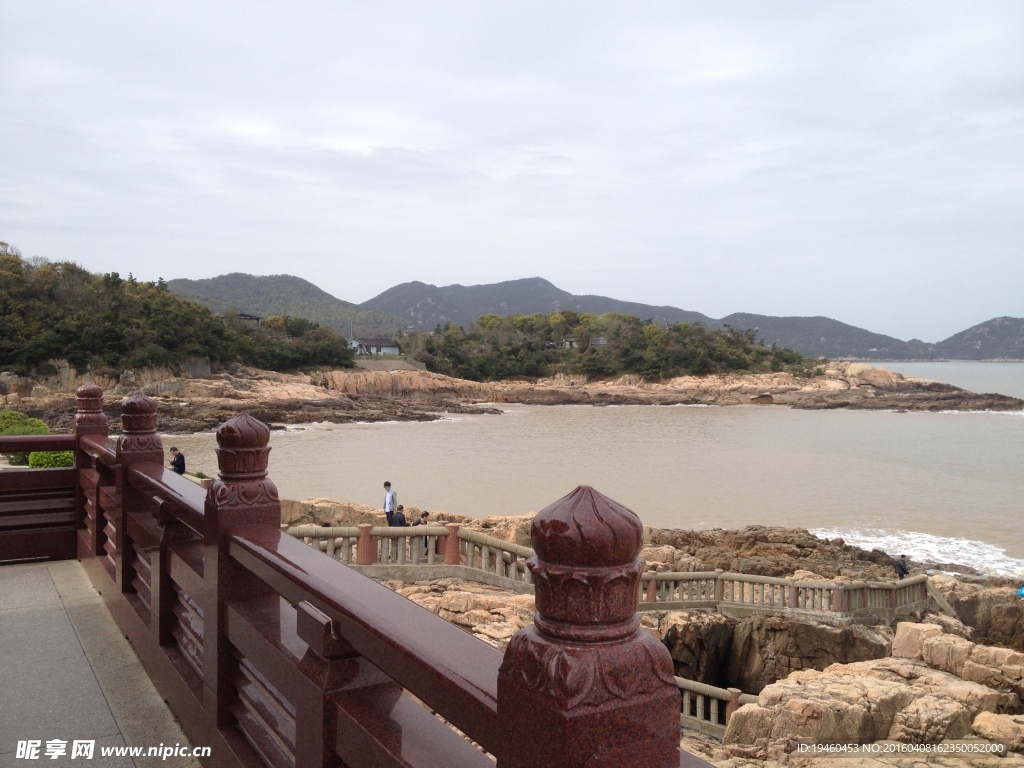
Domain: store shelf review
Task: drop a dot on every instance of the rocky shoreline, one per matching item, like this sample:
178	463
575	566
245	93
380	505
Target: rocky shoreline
198	399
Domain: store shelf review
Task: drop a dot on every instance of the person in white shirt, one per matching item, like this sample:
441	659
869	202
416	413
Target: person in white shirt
390	501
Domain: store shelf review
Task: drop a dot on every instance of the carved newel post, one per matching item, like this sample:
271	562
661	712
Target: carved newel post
140	443
585	686
90	421
89	416
243	495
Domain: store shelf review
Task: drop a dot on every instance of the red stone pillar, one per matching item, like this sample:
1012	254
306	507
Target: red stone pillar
90	421
242	496
366	552
139	443
452	556
837	598
585	686
734	703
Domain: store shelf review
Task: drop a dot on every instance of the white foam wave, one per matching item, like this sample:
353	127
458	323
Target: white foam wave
987	558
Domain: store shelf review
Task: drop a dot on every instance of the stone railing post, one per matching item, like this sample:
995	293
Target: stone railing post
719	585
585	686
734	703
793	599
90	421
366	551
242	496
451	545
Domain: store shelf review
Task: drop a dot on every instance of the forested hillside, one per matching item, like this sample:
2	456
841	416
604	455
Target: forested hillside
496	347
59	310
280	295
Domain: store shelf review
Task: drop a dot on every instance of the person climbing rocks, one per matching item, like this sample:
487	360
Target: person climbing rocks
902	567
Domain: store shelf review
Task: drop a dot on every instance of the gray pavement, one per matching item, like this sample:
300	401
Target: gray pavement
67	673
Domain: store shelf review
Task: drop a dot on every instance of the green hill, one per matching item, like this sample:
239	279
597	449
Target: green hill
283	295
54	311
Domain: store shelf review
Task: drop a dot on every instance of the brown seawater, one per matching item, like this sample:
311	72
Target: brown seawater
942	486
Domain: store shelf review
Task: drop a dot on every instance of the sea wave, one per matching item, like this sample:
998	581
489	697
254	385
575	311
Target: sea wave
987	558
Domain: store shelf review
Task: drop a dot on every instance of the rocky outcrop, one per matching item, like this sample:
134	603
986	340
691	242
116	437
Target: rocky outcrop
489	613
319	511
935	687
768	648
999	668
699	642
1007	730
995	613
762	550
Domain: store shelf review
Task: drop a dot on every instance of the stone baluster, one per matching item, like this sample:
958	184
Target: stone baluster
90	421
243	495
793	599
585	685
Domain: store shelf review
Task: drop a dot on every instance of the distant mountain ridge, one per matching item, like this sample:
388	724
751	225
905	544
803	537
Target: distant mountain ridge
269	295
428	305
422	307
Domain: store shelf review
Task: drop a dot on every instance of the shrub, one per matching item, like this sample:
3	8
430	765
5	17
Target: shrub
51	459
16	423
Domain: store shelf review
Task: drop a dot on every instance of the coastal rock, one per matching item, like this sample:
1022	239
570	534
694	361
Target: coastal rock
910	638
699	642
492	614
996	613
946	652
198	396
768	648
930	720
899	699
1001	729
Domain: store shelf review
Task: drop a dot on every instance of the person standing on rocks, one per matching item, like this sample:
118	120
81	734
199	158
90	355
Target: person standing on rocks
902	567
398	518
177	461
390	502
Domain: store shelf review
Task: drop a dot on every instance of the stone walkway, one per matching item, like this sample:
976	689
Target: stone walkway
67	673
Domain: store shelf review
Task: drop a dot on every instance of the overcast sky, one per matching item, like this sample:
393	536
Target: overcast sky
863	161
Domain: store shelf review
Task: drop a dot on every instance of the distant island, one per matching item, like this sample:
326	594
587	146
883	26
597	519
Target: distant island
417	307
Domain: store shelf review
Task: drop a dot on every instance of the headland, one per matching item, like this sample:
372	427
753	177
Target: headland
197	398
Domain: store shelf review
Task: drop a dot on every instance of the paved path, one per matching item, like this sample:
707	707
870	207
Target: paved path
67	673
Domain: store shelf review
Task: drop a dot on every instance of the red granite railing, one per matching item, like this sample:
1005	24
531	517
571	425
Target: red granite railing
273	654
38	517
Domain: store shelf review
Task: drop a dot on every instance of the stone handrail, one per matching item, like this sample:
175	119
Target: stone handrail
392	549
707	708
745	594
271	654
737	593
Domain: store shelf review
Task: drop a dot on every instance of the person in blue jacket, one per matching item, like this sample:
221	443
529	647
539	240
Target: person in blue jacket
398	518
177	461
